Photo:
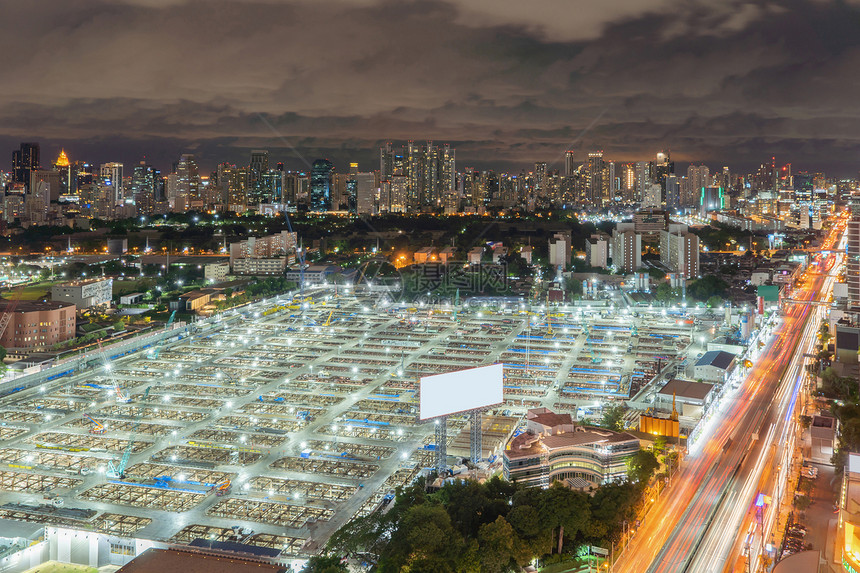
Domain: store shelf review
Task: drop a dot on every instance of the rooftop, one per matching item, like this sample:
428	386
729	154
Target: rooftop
718	358
687	389
177	561
32	305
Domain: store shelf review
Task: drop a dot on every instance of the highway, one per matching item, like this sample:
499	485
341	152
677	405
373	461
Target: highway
694	525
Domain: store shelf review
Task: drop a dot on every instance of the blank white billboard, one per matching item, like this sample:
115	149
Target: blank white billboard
456	392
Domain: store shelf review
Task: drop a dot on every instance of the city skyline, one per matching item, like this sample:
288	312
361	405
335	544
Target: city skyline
728	84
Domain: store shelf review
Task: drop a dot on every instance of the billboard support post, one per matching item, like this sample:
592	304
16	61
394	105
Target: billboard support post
441	444
475	437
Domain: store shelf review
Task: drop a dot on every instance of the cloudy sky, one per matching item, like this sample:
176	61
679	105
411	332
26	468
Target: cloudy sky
506	82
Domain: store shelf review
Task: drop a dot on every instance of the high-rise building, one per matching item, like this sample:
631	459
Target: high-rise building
430	171
569	163
143	188
25	160
626	248
596	180
111	176
679	250
365	194
673	192
257	169
560	249
540	179
63	166
44	184
698	177
321	183
852	258
662	167
188	194
642	170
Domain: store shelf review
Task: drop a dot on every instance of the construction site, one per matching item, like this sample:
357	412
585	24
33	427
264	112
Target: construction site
276	423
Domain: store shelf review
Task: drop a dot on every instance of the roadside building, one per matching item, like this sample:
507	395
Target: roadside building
715	366
554	448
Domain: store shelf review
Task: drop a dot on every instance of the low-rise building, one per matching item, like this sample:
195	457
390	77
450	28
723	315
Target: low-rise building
424	255
822	433
690	398
260	266
554	448
36	325
216	271
715	366
318	274
84	293
475	255
133	298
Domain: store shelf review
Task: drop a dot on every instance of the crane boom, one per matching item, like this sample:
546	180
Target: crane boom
118	471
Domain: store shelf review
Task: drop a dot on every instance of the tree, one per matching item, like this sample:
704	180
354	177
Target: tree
613	418
325	564
641	466
119	325
714	302
2	353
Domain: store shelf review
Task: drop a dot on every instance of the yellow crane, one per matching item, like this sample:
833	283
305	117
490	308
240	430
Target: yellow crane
328	320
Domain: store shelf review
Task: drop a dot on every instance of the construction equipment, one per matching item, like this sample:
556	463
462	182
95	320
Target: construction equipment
118	471
153	354
109	369
98	427
222	487
328	320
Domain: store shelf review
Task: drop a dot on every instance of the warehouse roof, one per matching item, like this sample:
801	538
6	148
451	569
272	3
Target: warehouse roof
717	358
687	389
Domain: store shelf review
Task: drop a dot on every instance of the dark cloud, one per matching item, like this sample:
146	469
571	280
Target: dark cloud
507	82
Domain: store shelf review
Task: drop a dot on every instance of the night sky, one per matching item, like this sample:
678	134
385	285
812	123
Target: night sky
506	82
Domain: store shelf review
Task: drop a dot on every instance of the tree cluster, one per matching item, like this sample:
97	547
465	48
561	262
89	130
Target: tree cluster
494	527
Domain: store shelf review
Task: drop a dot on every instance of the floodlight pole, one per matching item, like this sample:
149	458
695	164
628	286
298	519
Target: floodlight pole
441	444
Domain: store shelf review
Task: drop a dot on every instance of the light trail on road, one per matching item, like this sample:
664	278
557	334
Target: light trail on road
694	525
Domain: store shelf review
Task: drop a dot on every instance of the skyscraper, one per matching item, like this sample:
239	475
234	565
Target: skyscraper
111	176
187	184
321	181
25	160
661	168
257	169
65	169
698	177
596	180
569	165
430	170
143	188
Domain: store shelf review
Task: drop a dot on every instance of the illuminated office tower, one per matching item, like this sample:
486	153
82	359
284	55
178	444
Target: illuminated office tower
24	160
111	176
321	183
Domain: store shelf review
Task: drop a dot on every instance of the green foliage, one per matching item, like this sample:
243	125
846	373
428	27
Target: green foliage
665	293
706	287
496	526
714	302
641	466
802	502
613	418
325	564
